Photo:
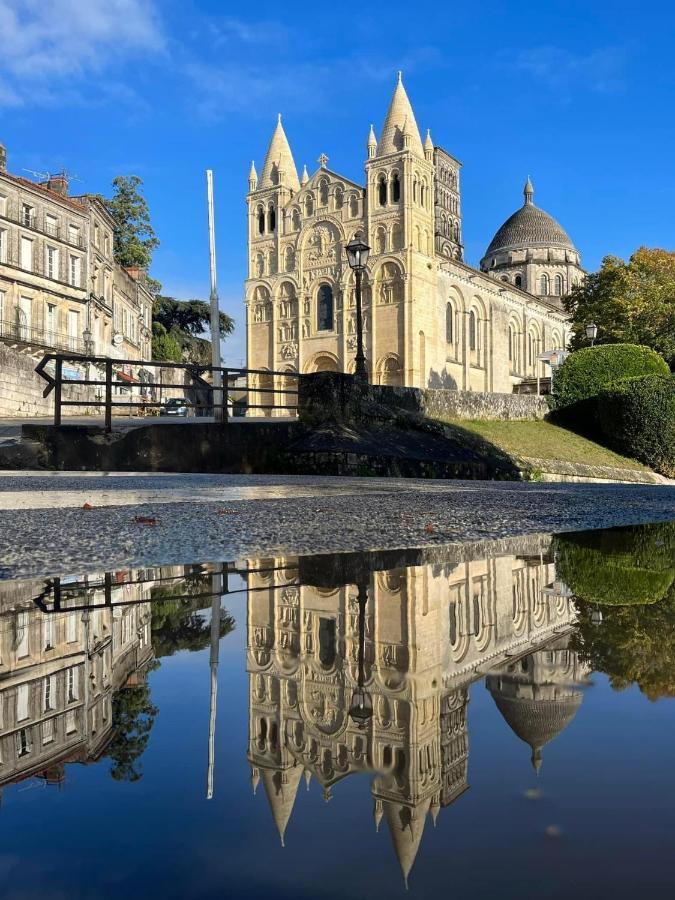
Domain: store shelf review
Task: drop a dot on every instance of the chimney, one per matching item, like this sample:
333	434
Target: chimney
3	158
58	184
133	272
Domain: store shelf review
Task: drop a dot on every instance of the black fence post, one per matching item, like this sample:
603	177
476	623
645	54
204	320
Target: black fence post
108	394
58	376
225	394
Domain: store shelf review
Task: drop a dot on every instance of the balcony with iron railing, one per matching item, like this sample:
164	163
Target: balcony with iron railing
41	225
19	332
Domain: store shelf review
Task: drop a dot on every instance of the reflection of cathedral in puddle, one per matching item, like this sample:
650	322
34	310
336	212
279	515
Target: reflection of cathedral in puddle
60	669
430	630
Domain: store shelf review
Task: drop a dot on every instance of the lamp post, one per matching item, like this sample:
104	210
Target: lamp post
361	708
357	254
591	332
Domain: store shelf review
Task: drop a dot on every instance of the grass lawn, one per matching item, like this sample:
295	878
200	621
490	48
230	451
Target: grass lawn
545	441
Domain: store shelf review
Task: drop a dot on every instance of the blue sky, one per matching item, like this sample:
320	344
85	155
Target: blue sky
578	95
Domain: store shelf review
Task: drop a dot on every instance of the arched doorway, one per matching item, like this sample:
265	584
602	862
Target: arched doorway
324	362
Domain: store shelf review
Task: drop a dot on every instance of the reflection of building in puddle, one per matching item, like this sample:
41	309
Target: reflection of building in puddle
539	695
431	628
61	665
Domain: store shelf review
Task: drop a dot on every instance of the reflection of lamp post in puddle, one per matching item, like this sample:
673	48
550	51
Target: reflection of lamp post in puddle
361	708
218	587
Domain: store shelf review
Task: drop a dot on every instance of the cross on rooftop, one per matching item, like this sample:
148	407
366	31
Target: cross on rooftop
323	160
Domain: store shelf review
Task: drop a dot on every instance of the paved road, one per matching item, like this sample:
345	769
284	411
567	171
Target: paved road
45	530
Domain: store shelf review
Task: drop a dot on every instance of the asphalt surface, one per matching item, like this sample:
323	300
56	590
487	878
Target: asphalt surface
65	523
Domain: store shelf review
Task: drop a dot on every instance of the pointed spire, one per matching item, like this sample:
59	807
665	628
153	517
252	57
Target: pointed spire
252	177
281	787
305	176
255	778
406	827
536	759
528	190
428	143
279	165
308	778
372	143
399	116
378	812
434	809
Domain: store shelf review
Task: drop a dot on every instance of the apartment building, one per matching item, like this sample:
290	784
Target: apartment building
60	287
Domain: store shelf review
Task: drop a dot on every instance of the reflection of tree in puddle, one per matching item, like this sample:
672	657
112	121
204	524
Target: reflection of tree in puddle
628	576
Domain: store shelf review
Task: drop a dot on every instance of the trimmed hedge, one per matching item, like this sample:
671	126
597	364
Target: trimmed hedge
637	418
587	372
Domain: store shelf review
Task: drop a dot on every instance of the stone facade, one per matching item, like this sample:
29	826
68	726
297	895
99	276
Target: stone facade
430	631
429	320
60	288
58	673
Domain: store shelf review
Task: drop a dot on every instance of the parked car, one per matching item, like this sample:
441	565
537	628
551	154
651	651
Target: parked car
174	407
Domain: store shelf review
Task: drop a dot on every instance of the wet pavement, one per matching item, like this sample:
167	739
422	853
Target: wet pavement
58	522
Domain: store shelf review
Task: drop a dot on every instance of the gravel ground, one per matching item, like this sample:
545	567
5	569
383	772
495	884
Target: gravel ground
44	529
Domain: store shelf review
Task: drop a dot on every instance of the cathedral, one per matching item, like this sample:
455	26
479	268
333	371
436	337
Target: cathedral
429	319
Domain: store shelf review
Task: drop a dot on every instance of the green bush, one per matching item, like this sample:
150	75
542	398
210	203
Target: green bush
587	372
637	417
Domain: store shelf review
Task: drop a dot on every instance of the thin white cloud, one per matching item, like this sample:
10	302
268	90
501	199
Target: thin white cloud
600	70
260	88
50	44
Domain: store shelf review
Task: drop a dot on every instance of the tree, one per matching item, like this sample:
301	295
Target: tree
630	302
135	239
186	321
133	716
165	347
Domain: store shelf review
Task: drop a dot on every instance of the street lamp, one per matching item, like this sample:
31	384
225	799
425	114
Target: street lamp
361	707
357	254
591	332
87	338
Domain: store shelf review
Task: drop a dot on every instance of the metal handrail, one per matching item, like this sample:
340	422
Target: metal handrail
106	399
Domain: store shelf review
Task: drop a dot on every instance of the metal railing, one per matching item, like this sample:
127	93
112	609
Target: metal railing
166	388
41	225
39	337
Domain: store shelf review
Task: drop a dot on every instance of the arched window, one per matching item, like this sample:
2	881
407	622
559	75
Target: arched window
339	197
422	193
353	206
530	349
415	190
324	308
323	192
309	205
511	347
519	281
261	220
381	240
449	324
558	286
505	277
543	285
327	642
396	236
453	624
295	220
382	190
395	188
271	218
473	336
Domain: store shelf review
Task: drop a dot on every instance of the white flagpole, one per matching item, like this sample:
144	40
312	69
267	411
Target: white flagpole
215	309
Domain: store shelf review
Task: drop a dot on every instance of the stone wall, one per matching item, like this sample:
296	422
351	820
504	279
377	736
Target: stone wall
337	397
21	389
475	405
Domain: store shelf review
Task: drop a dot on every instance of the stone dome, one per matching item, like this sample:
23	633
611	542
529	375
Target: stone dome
537	722
529	227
